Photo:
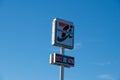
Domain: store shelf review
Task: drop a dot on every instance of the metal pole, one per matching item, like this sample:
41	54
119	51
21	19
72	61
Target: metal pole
62	66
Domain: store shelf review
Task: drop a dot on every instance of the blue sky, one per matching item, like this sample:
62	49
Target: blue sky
25	39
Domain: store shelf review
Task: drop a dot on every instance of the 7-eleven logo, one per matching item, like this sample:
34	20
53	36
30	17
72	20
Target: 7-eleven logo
66	31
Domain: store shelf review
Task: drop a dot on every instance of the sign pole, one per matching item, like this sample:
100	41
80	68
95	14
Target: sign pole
63	37
62	66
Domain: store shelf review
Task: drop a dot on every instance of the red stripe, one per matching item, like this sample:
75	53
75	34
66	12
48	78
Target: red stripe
62	24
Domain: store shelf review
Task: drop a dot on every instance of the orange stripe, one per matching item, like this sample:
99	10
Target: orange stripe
62	24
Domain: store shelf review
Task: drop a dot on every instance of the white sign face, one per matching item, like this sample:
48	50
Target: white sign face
62	33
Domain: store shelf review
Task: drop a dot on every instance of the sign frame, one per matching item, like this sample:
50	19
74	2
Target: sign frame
70	43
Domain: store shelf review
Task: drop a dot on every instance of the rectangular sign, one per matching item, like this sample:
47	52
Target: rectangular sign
59	59
62	33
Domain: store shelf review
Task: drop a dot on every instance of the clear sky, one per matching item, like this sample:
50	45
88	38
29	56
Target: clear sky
25	39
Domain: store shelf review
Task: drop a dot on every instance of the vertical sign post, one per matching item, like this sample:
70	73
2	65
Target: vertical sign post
62	66
62	36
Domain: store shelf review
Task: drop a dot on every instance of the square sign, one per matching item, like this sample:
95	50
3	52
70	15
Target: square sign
62	33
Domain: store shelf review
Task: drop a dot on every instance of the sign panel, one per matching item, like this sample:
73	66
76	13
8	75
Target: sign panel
59	59
62	33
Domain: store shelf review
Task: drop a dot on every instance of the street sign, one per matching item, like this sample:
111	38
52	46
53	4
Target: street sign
59	59
62	33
